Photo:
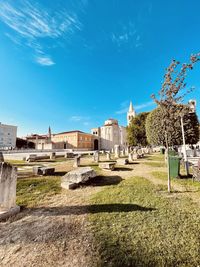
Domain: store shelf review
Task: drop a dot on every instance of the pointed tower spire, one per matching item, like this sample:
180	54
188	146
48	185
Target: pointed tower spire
49	133
130	114
131	107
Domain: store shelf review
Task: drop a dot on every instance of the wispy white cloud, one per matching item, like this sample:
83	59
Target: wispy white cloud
125	34
81	119
144	105
125	106
76	118
44	60
33	23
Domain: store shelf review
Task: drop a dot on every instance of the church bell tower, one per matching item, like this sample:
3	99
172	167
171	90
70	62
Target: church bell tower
130	114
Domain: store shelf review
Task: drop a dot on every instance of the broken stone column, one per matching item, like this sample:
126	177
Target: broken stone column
69	155
77	161
96	156
1	157
53	155
8	181
108	156
123	152
127	151
140	153
117	151
130	157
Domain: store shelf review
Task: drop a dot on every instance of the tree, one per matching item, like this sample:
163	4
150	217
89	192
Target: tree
156	134
171	93
136	132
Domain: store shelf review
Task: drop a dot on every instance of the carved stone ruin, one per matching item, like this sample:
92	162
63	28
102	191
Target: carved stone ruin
1	157
72	179
127	151
108	156
96	156
53	155
69	155
123	152
130	158
117	151
8	181
140	153
43	170
122	161
107	166
77	161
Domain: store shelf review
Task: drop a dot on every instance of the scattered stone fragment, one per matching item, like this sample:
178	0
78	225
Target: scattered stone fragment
107	165
72	179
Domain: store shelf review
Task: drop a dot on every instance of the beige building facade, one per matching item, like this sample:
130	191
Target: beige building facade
8	136
64	140
74	139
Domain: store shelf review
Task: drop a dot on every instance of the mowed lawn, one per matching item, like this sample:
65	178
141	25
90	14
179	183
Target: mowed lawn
134	222
138	224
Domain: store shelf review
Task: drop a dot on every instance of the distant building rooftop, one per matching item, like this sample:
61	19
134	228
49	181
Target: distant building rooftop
75	131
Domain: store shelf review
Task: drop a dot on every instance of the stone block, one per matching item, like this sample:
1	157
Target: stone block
107	165
69	155
96	156
123	153
31	157
53	155
122	161
77	161
108	156
81	175
8	181
117	151
43	170
135	156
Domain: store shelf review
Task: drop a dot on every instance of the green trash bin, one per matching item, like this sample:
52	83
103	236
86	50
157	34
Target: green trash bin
173	153
174	166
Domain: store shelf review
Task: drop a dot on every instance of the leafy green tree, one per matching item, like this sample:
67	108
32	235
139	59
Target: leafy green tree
171	94
156	133
136	132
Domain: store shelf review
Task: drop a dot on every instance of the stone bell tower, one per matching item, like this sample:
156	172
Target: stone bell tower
130	114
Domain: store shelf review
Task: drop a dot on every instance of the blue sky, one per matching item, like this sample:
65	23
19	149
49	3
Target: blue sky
72	64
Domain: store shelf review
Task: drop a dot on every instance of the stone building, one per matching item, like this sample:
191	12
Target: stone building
65	140
8	136
109	135
74	139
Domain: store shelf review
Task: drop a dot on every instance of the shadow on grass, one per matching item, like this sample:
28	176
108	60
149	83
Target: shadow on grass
184	176
88	209
59	173
103	181
122	169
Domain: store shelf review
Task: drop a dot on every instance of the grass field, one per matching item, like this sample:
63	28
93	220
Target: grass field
135	225
131	219
32	191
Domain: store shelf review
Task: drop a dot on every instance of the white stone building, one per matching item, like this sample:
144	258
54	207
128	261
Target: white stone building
8	136
110	134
